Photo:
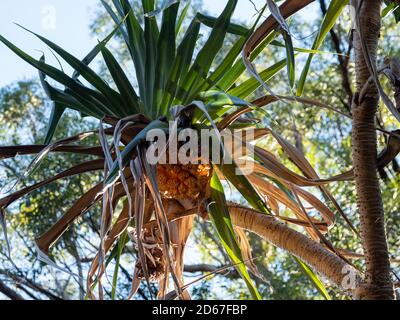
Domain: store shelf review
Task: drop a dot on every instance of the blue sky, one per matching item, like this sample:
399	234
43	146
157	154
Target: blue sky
70	29
65	22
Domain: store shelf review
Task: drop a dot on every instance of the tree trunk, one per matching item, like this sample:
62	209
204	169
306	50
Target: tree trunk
377	283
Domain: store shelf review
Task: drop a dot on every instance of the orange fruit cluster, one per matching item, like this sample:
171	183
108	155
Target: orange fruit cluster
180	182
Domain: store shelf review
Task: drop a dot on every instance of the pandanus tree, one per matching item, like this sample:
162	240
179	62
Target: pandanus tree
181	87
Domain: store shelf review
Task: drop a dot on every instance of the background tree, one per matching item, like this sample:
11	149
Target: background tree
327	149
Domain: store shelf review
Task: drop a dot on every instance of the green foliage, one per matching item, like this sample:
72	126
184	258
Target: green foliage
332	14
217	209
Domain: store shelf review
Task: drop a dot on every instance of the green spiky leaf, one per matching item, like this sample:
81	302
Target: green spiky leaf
217	209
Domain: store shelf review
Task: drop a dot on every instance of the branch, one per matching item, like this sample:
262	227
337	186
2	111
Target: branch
231	273
200	268
30	294
29	283
311	252
323	261
13	295
128	276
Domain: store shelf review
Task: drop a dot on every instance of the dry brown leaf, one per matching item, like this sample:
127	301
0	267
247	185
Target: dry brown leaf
78	169
81	206
270	190
245	249
12	151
